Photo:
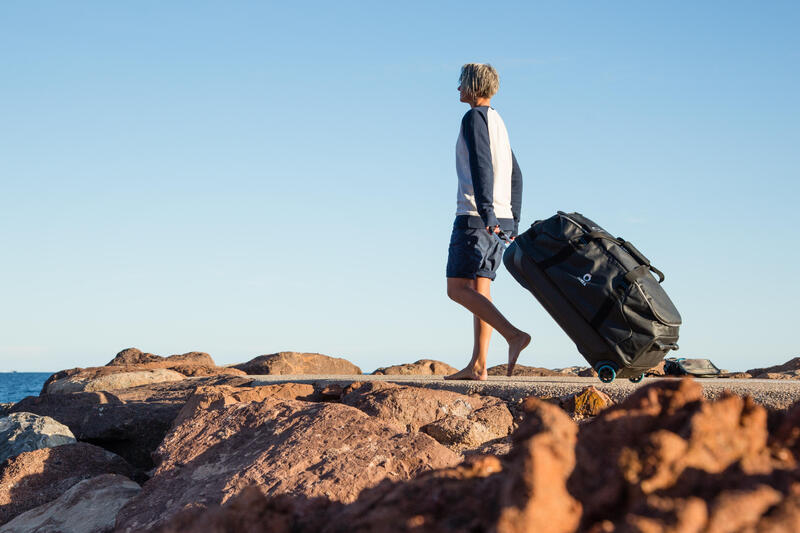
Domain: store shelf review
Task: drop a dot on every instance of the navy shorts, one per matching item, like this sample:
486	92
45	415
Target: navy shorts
473	252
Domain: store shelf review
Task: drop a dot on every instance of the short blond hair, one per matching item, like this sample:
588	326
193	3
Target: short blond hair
479	80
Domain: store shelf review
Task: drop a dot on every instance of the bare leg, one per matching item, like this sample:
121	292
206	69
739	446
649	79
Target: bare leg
475	295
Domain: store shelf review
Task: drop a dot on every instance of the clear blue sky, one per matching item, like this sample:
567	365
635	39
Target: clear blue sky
248	177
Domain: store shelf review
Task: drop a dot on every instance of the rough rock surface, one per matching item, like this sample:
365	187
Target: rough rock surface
25	432
293	363
5	408
130	422
663	460
134	356
34	478
91	381
423	367
788	370
285	447
194	364
664	457
408	408
214	397
522	370
524	492
491	422
90	506
588	402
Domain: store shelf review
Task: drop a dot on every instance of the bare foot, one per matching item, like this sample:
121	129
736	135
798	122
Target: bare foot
515	346
469	373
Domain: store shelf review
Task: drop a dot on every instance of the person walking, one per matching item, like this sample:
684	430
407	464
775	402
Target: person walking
489	202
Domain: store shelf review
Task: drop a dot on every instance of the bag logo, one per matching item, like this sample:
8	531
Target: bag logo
585	279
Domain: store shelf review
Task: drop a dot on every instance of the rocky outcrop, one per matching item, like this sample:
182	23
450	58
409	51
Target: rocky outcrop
295	363
665	459
35	478
488	423
408	408
589	402
135	368
524	492
90	506
106	379
129	422
665	456
788	370
215	397
522	370
285	447
423	367
24	432
134	356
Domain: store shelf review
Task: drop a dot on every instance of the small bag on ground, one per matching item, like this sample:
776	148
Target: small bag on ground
701	368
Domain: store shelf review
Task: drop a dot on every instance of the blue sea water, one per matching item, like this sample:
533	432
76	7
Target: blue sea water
14	386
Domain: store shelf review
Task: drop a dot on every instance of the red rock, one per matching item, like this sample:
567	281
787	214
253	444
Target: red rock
35	478
787	370
522	370
589	402
659	435
194	364
423	367
129	422
408	408
285	447
214	397
491	422
295	363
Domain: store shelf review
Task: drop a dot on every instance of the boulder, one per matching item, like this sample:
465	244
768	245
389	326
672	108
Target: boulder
214	397
664	459
589	402
129	422
522	370
295	363
491	422
662	443
408	408
90	381
423	367
132	360
35	478
24	432
288	447
134	356
90	506
788	370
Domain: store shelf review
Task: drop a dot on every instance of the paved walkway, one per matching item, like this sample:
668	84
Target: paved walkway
773	393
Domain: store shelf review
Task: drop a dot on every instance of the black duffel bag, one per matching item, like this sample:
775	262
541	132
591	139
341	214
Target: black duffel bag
601	291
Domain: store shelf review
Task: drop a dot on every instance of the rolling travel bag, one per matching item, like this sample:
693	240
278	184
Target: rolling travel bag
600	290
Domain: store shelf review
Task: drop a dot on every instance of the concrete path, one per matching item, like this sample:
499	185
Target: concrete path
777	394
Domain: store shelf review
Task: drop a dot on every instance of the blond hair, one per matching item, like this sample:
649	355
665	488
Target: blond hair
479	80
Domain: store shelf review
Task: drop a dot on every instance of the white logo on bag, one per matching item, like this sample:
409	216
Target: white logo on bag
585	279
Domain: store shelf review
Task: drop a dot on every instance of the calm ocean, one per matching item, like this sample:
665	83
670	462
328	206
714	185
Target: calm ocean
14	386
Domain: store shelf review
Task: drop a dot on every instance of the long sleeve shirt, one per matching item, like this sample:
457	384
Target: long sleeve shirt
489	178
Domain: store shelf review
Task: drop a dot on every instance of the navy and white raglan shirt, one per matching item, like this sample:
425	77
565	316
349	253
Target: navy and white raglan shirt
489	179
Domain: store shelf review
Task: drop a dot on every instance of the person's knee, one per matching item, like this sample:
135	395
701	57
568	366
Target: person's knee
456	290
453	292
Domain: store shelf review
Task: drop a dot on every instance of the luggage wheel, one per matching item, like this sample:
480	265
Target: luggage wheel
606	372
637	379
